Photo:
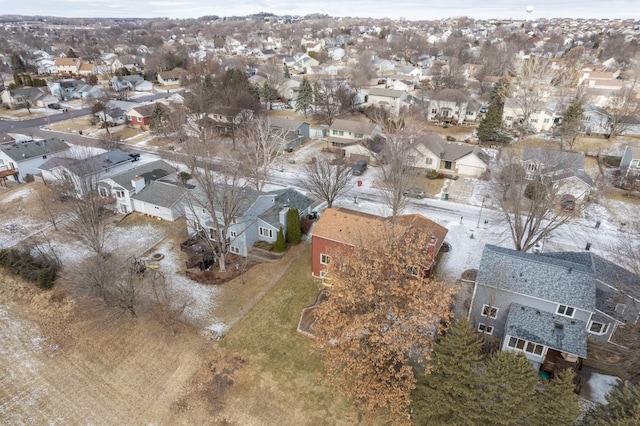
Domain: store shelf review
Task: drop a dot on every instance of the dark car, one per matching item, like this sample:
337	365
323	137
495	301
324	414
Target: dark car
415	193
53	106
134	156
360	167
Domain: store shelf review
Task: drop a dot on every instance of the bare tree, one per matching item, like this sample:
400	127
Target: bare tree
261	145
531	77
327	181
325	101
449	75
622	107
396	166
214	206
531	208
169	304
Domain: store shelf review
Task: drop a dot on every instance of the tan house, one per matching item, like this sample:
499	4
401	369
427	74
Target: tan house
349	132
432	152
88	69
389	99
170	78
69	66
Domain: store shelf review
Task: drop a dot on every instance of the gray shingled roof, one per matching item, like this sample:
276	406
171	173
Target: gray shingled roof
543	277
579	174
450	151
392	93
25	150
161	193
538	326
86	166
554	160
149	171
614	283
246	197
285	123
291	198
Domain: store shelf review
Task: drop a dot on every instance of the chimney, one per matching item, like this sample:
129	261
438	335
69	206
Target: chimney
137	183
431	248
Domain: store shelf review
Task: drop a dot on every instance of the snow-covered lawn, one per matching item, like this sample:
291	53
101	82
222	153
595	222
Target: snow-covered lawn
601	385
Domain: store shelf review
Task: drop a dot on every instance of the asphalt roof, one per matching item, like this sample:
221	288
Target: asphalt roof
161	193
538	326
149	171
544	277
285	198
29	149
86	166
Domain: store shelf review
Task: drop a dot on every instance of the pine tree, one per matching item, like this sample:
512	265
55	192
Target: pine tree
491	128
27	80
557	402
294	233
507	389
158	119
17	64
17	79
448	394
280	245
622	409
305	96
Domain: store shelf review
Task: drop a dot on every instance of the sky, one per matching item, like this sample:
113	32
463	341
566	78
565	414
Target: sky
408	9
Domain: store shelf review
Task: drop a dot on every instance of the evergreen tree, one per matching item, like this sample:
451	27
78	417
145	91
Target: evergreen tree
305	96
557	402
294	233
27	80
448	394
287	73
17	79
491	128
280	245
71	53
507	389
158	119
622	409
17	64
571	125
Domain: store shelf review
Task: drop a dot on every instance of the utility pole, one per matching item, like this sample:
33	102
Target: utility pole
481	207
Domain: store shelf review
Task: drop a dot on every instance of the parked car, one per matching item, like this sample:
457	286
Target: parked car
359	168
53	106
415	193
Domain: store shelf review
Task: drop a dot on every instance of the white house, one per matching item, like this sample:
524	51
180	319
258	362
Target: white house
432	152
388	99
24	158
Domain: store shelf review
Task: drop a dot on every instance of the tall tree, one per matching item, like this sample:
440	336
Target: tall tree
260	148
491	128
622	108
327	181
17	63
530	80
396	166
557	402
448	393
305	96
159	119
294	232
376	315
530	218
571	125
325	100
508	389
622	409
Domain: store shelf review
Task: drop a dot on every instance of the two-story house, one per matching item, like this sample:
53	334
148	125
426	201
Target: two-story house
432	152
69	66
564	170
349	132
227	119
548	305
452	106
340	228
257	216
20	159
146	189
389	99
630	166
542	117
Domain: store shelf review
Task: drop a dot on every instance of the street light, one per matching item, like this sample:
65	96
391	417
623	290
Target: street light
481	207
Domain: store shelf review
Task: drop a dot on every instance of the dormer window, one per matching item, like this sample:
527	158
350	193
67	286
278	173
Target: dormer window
565	310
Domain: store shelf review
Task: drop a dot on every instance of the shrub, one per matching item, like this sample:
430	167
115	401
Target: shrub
294	233
305	225
46	276
280	245
29	178
41	269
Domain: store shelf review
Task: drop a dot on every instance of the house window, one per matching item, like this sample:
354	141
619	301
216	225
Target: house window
534	120
234	220
414	271
197	226
120	194
139	119
635	164
44	157
103	192
483	328
434	111
340	133
565	310
359	135
233	234
508	118
429	160
212	234
325	259
523	345
234	249
532	167
546	120
489	311
598	327
469	112
265	232
323	274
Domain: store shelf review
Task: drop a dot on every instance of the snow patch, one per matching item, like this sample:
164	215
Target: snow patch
601	385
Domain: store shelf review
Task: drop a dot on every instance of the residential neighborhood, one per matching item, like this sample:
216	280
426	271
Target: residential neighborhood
309	219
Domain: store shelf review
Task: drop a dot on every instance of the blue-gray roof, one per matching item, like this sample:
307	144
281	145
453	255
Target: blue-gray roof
538	326
161	193
149	171
291	198
21	151
543	277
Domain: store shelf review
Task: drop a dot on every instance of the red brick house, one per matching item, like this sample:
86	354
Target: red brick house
338	228
140	116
